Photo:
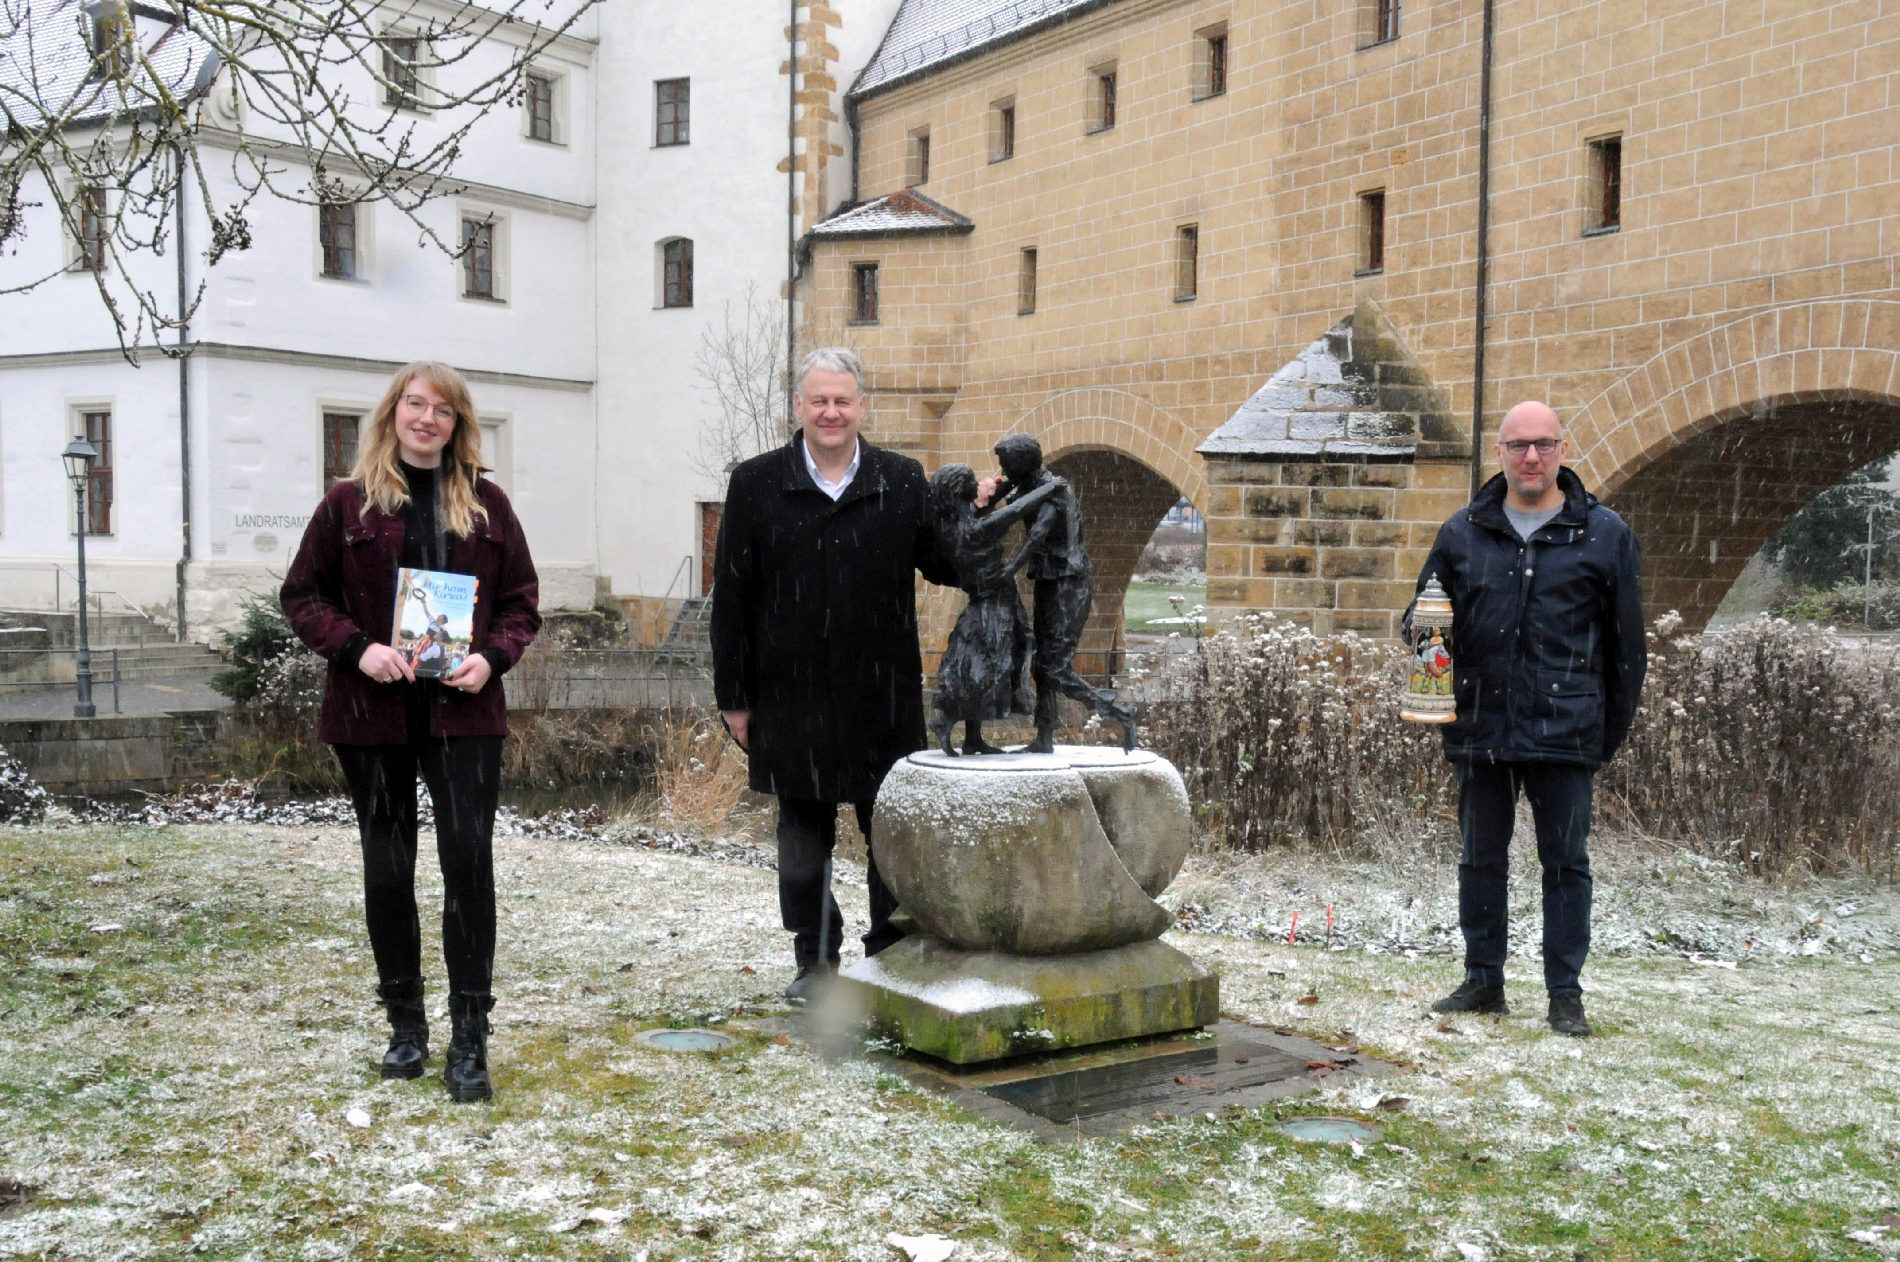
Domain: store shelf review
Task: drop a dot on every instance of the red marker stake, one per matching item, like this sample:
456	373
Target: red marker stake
1329	920
1294	930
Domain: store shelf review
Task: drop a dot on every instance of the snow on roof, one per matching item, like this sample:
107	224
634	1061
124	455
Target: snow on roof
930	33
905	211
46	66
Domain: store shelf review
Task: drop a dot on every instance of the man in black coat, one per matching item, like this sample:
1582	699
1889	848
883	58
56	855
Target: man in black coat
1549	649
816	668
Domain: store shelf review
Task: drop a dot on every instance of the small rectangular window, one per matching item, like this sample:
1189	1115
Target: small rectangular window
90	205
1187	263
1385	21
1102	117
1372	231
402	75
478	259
672	111
1003	131
540	89
864	293
677	263
1212	76
1026	284
336	233
1606	184
339	445
108	32
95	426
919	172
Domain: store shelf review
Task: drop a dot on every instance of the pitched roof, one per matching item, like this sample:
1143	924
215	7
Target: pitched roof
1356	393
927	34
895	214
46	67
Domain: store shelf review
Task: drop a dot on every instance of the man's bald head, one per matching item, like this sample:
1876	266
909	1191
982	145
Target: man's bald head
1531	448
1532	416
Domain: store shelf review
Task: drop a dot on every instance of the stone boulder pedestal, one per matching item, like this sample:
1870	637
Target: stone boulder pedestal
1032	878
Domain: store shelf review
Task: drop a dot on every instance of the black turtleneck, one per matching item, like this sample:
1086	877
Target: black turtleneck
423	547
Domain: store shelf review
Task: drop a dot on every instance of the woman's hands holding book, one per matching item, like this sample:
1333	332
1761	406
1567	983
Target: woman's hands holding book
472	675
384	664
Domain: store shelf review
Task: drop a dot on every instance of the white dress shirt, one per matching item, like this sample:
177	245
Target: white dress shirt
833	489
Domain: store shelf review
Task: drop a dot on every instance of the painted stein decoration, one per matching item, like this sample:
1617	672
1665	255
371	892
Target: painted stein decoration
1428	692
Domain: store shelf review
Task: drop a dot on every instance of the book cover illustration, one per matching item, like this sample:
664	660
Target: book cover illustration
435	619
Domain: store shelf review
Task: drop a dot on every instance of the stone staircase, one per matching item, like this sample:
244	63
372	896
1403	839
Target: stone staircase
146	651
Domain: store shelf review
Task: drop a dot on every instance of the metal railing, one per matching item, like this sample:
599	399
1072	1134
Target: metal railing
13	660
587	679
96	595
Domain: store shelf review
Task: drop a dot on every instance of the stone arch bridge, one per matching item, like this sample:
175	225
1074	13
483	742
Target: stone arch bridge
1324	487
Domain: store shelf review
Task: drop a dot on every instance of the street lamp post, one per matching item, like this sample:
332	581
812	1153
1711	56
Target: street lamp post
79	455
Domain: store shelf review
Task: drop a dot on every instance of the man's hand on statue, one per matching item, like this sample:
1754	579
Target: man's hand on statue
472	675
739	723
384	664
985	491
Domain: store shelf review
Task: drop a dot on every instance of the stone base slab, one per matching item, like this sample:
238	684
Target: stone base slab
967	1007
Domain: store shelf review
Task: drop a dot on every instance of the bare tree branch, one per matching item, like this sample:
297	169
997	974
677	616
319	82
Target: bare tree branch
124	108
741	365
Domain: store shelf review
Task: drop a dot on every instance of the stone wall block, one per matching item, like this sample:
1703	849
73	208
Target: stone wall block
1274	562
1363	504
1356	563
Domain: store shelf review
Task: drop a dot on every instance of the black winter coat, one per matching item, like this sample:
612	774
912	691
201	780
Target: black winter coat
814	622
1547	636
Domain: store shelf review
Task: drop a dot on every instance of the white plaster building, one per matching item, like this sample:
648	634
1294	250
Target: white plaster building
581	362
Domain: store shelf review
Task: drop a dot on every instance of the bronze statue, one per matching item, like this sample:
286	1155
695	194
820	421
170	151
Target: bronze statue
1064	588
982	664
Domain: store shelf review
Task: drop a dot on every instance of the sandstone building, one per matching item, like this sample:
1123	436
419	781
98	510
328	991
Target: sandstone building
1229	249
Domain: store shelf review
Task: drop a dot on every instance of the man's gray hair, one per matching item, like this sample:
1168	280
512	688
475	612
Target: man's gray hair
831	359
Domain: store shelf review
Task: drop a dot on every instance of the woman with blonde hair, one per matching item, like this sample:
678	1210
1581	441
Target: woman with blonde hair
416	498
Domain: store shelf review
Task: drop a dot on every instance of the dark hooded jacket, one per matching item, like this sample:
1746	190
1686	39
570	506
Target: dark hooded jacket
1547	635
814	622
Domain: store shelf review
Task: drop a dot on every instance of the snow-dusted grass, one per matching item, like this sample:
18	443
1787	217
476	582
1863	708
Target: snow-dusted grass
186	1023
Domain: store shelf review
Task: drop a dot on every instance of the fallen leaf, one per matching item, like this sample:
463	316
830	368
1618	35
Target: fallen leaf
1309	998
1240	1060
1319	1068
1193	1083
1393	1103
783	1039
748	970
1446	1027
624	968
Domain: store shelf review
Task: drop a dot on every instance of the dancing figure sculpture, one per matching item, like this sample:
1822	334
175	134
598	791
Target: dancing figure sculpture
1064	589
982	663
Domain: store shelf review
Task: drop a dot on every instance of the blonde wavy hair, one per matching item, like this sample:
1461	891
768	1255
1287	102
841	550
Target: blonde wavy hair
458	507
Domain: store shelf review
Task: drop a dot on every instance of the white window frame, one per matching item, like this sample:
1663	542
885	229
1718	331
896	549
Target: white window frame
425	78
558	107
503	242
331	405
498	449
365	245
76	409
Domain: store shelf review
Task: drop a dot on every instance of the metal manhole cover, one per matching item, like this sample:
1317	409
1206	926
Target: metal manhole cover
685	1040
1330	1130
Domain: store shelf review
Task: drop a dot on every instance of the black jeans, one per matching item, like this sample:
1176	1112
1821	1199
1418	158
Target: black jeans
807	833
1559	794
464	778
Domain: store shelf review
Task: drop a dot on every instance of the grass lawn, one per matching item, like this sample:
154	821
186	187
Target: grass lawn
1146	602
186	1022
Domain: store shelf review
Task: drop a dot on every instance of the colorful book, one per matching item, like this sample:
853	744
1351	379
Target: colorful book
435	620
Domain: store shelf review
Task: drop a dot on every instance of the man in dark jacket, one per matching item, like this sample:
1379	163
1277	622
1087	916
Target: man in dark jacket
1548	642
816	668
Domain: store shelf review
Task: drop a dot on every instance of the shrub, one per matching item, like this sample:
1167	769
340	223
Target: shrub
1287	736
1772	744
262	638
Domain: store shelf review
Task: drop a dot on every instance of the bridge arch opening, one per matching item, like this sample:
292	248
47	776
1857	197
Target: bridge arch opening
1707	505
1123	500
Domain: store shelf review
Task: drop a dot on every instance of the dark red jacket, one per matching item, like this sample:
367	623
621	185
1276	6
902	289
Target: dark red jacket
344	581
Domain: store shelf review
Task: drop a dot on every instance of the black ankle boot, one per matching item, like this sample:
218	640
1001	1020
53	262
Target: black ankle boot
408	1028
465	1071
